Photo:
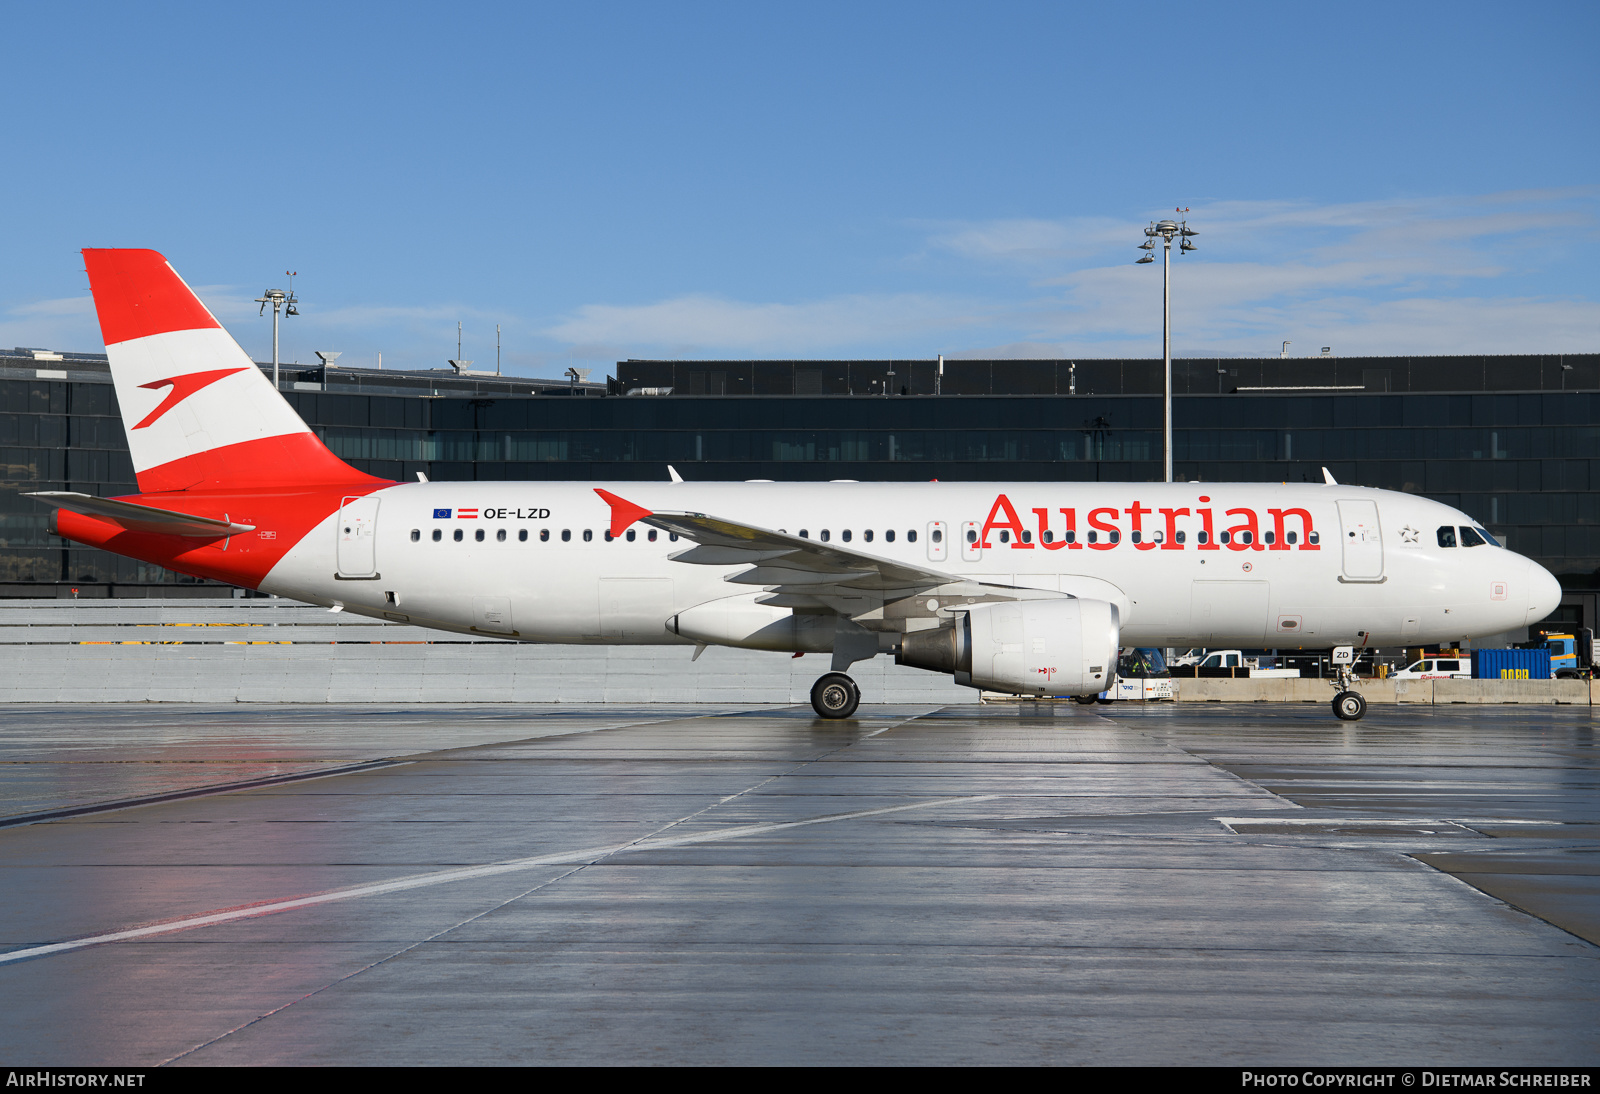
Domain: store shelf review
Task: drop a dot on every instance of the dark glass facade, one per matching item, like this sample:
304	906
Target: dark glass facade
1524	460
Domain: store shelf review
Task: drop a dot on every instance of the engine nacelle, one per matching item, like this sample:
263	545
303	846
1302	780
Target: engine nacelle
1030	647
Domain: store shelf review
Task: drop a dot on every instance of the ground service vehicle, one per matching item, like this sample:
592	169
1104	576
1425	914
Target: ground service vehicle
1436	668
1028	588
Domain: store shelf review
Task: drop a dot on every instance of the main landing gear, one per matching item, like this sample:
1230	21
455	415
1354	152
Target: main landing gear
835	696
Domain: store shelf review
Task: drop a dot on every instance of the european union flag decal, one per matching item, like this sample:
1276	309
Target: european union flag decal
441	514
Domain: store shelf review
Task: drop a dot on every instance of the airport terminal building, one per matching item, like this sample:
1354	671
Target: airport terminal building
1513	440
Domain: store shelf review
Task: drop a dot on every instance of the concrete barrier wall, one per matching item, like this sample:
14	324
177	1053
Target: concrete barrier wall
1555	692
267	651
279	651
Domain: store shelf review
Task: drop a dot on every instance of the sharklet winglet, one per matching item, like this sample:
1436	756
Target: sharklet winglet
623	512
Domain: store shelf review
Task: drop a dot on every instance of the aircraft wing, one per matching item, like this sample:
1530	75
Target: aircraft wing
141	518
879	593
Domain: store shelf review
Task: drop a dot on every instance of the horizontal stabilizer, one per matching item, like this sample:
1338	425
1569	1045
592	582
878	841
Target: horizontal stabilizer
141	518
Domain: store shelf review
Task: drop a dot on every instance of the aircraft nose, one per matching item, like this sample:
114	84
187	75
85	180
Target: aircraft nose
1544	592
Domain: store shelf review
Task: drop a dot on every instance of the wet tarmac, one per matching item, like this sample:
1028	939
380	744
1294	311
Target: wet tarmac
1016	883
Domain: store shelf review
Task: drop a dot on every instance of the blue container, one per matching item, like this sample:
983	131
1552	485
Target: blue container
1511	664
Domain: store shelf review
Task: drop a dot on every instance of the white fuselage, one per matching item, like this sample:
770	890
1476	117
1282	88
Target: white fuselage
1376	574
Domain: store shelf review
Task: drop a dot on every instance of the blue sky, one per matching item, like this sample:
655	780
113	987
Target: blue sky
837	180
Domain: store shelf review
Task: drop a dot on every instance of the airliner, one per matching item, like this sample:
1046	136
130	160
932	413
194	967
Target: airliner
1026	588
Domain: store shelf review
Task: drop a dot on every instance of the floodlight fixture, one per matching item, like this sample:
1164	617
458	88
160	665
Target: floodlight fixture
1167	230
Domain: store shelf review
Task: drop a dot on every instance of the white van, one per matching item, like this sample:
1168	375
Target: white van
1437	668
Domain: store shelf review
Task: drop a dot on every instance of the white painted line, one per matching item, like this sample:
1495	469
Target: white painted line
444	877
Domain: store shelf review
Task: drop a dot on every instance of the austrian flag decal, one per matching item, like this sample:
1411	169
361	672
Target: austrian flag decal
466	514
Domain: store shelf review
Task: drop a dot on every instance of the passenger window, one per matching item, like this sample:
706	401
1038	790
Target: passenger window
1313	537
522	535
672	537
1289	537
437	535
416	535
632	535
867	535
1446	536
457	535
1005	537
1116	537
889	536
845	535
544	535
1269	537
1469	538
478	535
1047	536
1094	537
825	535
972	536
1072	537
1158	537
1027	537
566	535
650	535
1224	537
1200	537
606	533
588	535
1137	537
804	534
911	536
500	536
1244	537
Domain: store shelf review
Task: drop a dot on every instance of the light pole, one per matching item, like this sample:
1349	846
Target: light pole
280	301
1166	230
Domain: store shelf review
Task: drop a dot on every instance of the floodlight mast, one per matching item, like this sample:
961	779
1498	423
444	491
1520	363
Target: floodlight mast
1166	230
280	301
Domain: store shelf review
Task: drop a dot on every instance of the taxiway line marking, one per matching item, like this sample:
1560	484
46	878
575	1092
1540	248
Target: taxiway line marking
444	877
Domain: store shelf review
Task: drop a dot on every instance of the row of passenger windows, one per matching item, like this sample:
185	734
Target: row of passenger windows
826	535
479	535
1154	537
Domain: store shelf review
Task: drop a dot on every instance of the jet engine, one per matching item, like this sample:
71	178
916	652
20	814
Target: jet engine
1030	647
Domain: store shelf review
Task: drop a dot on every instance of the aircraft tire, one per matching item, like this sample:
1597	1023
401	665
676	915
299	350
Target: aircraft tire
1349	706
1102	699
1086	700
835	695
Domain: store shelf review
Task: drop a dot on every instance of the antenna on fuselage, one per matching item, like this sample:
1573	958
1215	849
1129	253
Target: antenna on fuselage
672	472
1327	477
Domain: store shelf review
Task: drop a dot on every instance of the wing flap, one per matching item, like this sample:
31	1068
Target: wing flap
141	518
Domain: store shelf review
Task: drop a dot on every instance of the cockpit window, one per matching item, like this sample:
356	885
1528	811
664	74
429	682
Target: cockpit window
1447	536
1487	538
1469	538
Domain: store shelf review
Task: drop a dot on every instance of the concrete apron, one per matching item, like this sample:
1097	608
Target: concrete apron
1543	692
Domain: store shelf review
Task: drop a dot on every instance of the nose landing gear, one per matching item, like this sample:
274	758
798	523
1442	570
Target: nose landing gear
835	695
1349	705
